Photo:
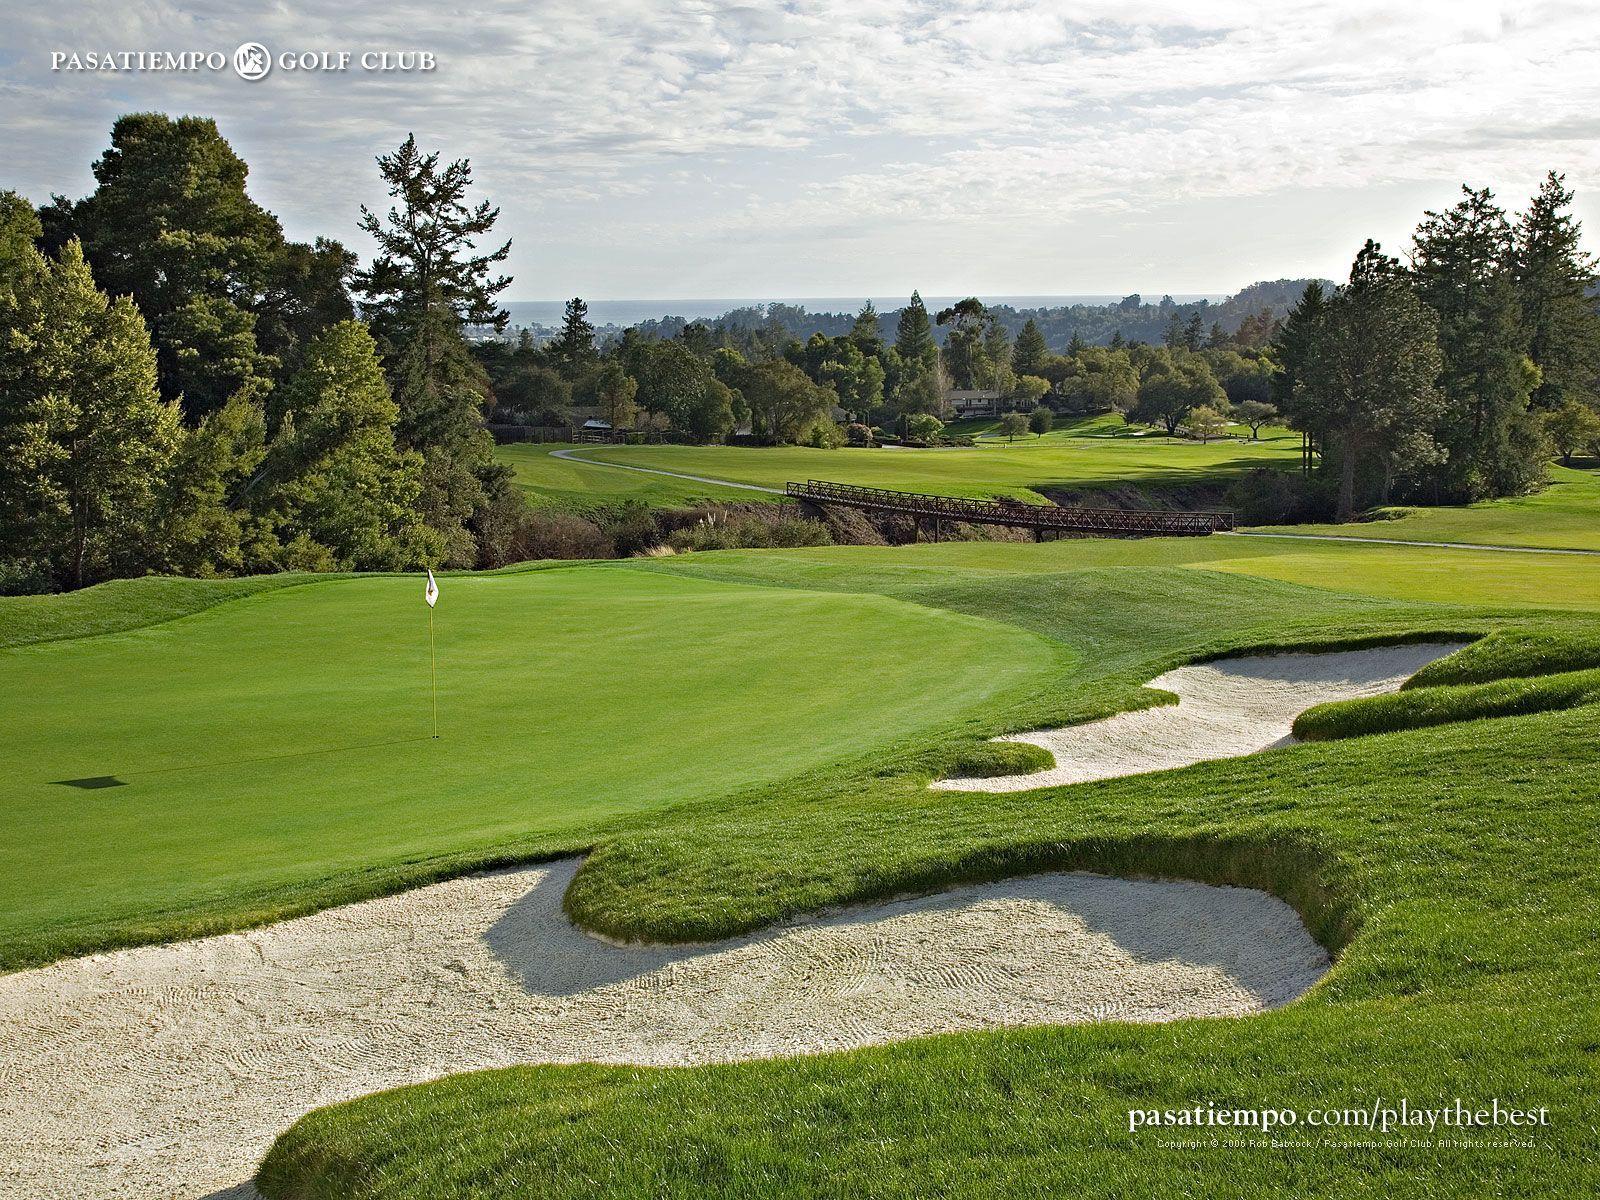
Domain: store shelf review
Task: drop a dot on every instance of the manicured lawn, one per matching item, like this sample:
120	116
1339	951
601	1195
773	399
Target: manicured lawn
1453	869
1095	451
548	481
742	736
1565	515
274	752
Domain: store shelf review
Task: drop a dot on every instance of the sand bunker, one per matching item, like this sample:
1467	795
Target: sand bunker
1225	709
167	1070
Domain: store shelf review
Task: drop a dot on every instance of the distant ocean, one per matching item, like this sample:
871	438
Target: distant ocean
630	312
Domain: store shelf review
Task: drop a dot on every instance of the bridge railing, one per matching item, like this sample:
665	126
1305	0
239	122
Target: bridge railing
1013	512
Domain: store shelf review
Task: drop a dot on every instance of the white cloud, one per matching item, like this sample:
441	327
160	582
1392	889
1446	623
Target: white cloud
626	142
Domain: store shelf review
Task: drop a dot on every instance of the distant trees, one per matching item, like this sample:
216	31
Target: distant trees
1029	353
1014	425
783	402
1041	420
574	349
1205	422
1554	278
1255	413
1172	384
679	385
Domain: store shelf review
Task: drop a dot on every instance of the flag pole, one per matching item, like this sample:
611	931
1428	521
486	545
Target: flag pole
433	672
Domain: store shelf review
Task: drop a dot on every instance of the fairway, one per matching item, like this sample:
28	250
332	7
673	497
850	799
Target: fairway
1565	516
276	749
1090	452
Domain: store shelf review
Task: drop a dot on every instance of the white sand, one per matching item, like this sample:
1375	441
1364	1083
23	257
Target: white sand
167	1071
1225	709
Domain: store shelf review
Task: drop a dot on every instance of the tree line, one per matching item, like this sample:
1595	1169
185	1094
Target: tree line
1449	378
185	390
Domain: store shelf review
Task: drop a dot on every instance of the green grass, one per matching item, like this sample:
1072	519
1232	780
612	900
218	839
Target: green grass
1454	870
1565	515
1419	708
768	722
1514	654
276	754
550	482
1095	451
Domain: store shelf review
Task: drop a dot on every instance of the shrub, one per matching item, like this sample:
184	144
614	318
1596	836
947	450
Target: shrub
858	434
719	531
544	534
825	435
1042	420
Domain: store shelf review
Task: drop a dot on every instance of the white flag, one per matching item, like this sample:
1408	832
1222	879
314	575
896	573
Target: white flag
431	592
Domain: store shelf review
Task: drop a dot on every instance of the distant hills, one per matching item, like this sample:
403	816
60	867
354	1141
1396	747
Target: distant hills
1095	319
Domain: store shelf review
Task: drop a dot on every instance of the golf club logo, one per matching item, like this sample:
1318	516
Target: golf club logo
252	61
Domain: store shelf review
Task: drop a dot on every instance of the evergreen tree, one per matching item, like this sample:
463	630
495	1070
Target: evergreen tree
866	332
427	283
171	225
1463	270
615	391
333	477
1553	278
1030	351
1292	348
913	339
19	230
86	439
1366	387
1194	333
573	349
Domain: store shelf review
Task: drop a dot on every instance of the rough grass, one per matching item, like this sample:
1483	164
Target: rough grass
1513	654
1419	708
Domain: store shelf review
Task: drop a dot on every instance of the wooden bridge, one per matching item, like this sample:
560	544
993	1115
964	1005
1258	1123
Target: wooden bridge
1041	518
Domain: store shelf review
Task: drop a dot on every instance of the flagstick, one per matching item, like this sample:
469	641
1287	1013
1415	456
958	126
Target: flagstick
433	667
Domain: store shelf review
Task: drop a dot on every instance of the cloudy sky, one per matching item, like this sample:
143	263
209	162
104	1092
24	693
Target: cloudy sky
851	147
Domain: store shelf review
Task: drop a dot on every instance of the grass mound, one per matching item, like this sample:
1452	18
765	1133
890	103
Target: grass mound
990	759
1514	654
1419	708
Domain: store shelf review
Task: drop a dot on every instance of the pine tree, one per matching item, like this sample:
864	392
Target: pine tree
1366	386
1462	265
1028	355
573	348
1553	279
866	332
428	282
914	338
333	477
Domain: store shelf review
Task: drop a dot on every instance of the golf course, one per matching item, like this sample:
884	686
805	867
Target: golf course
734	601
736	739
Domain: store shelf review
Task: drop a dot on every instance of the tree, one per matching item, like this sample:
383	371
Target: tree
1554	278
1171	386
1571	428
913	339
866	333
1255	413
19	230
206	525
1367	388
1463	269
1205	423
426	284
85	439
333	476
1029	353
171	225
1194	333
1041	420
680	386
964	356
615	392
924	427
1012	424
1029	390
783	402
573	348
1292	347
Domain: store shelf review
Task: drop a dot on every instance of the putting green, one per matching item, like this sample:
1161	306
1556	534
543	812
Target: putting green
262	755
